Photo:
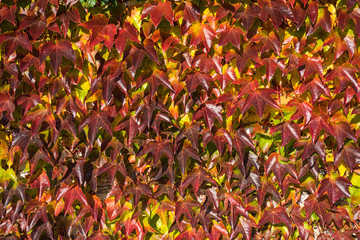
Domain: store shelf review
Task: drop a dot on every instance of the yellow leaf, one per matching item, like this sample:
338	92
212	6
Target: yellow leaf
355	180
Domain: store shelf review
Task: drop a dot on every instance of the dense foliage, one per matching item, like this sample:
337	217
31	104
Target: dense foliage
179	119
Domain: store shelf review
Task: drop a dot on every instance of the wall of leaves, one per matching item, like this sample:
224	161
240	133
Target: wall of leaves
179	119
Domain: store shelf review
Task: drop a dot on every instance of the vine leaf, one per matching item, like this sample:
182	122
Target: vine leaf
210	112
158	149
201	32
156	12
13	40
185	208
349	154
186	152
62	48
259	99
276	215
38	117
191	132
335	187
196	178
94	121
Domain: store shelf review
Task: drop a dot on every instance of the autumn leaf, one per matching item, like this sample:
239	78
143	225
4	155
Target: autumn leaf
13	40
210	112
276	215
62	48
335	188
94	121
201	32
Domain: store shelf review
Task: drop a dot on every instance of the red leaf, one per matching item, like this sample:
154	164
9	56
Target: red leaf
335	188
268	41
278	165
201	32
158	149
8	13
276	216
183	156
209	111
94	121
156	12
196	178
312	11
7	105
288	131
138	190
220	138
312	65
38	117
272	64
304	109
28	102
231	34
277	10
41	182
317	123
345	73
185	208
36	25
70	195
13	40
349	154
100	30
131	127
241	140
128	32
342	130
259	99
194	80
191	132
62	48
